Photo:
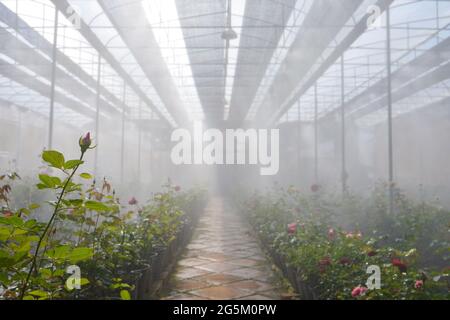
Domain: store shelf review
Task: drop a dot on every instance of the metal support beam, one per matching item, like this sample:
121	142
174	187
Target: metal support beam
316	137
122	144
150	61
19	139
14	73
53	81
341	47
139	142
343	129
389	110
91	37
97	113
249	77
299	136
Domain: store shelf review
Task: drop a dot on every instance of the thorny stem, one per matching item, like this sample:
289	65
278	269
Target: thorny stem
47	227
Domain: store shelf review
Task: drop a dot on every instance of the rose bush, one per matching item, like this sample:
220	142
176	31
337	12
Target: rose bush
111	243
329	255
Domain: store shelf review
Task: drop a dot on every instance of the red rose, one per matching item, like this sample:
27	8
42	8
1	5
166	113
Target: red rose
418	284
132	201
399	264
315	188
372	253
7	213
359	291
345	260
177	188
292	228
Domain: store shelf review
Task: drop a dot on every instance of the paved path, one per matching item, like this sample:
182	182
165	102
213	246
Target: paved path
223	262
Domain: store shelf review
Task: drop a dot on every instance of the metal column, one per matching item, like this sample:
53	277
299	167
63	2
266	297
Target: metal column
389	109
139	141
122	145
19	140
299	143
97	114
316	138
53	81
343	130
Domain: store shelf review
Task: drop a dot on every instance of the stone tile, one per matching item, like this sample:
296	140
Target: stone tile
223	261
215	256
219	293
186	273
190	284
245	262
252	285
192	262
218	278
217	267
246	273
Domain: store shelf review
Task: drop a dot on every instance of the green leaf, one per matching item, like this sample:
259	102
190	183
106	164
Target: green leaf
34	206
86	176
96	206
39	293
72	164
4	278
120	285
54	158
12	221
60	252
50	182
84	281
75	202
80	254
41	186
30	223
125	295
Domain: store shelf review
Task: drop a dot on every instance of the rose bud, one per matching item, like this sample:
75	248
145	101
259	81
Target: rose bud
85	142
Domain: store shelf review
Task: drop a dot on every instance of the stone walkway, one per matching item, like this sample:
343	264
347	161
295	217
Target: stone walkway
223	262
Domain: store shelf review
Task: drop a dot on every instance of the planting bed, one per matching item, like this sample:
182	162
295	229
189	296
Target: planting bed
347	248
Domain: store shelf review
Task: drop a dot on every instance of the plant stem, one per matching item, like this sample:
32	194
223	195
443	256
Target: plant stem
47	227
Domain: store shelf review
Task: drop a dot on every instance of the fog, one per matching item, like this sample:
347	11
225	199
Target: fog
224	124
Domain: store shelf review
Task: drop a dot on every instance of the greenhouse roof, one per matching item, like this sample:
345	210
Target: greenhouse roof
238	61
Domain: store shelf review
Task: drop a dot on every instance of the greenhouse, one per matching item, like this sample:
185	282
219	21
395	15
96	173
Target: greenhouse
224	150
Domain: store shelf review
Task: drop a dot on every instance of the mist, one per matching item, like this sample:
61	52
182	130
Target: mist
224	150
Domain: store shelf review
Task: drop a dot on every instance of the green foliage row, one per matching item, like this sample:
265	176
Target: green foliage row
89	229
329	243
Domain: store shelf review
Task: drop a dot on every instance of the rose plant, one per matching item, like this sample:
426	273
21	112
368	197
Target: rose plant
88	227
328	257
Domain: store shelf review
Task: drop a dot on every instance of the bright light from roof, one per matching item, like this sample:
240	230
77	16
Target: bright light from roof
293	26
163	17
237	18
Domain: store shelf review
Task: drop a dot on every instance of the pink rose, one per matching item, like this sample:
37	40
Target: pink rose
359	291
85	142
292	228
418	284
331	234
400	265
132	201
